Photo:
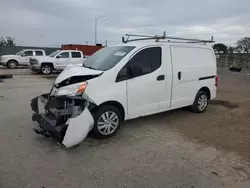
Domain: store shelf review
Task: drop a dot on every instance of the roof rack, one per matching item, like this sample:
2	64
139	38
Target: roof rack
157	38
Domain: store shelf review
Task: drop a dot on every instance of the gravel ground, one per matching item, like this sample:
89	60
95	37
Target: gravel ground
177	149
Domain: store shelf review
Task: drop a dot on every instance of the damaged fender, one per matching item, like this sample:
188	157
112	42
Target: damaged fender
66	119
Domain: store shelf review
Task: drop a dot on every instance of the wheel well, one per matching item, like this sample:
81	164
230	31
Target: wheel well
47	64
115	104
13	60
206	90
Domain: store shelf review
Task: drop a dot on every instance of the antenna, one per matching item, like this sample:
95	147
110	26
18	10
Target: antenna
157	38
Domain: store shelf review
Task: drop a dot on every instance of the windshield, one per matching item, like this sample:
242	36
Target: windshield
19	53
53	54
107	57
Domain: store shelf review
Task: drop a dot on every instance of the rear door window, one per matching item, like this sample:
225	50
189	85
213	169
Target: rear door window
76	55
38	53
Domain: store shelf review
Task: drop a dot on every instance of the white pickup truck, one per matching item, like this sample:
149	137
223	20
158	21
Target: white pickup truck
21	58
57	60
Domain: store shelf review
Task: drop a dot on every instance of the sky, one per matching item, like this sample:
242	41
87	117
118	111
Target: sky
56	22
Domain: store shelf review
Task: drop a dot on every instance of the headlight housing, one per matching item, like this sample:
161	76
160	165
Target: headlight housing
75	89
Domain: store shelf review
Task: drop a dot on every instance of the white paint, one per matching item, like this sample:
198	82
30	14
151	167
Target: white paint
144	95
60	63
21	58
193	63
78	128
75	70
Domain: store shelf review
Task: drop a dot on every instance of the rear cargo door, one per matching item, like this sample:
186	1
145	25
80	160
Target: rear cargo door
190	65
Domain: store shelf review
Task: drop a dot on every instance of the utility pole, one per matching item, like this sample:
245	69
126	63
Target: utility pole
38	39
96	19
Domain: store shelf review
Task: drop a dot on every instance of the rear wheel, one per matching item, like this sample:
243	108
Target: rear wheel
12	64
107	121
46	69
200	102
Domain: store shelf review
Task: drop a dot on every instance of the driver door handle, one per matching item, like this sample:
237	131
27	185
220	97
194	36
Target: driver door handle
160	77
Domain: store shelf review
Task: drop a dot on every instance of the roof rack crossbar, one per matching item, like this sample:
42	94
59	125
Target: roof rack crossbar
157	38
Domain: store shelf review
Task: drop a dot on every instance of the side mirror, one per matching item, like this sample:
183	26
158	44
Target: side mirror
22	55
58	57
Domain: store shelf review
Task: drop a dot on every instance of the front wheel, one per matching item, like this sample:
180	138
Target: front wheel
12	64
46	69
200	102
107	121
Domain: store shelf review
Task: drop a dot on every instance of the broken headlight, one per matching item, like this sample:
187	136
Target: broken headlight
75	89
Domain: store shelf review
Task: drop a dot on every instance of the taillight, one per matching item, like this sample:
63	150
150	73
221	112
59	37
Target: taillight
216	81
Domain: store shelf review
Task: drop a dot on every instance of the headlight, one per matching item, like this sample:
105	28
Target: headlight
75	89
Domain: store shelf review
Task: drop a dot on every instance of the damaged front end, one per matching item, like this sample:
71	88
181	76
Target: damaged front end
64	113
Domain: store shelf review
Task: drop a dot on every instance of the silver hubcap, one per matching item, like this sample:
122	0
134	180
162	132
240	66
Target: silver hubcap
46	70
108	123
202	102
12	65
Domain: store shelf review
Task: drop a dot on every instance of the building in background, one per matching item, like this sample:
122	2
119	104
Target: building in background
87	50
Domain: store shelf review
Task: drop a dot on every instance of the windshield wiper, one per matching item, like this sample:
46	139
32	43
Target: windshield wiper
89	67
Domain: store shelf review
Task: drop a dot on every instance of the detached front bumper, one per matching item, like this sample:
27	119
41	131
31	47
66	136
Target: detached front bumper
65	119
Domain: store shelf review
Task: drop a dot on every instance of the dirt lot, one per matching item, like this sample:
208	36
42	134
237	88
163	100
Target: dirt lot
173	149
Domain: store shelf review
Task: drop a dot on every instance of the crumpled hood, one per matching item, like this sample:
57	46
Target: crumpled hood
75	70
42	59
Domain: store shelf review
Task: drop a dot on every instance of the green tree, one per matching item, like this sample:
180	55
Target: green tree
9	41
243	44
220	47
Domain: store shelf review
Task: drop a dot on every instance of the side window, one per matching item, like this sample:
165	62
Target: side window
27	53
76	55
38	53
144	62
64	55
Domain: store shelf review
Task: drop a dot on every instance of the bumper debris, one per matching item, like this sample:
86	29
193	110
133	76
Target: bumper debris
66	119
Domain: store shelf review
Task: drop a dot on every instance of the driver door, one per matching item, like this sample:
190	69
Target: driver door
147	84
62	60
25	57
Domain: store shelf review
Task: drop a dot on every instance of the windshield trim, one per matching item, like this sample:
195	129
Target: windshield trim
20	52
55	53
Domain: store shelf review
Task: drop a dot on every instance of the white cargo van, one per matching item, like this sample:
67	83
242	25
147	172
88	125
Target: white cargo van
126	81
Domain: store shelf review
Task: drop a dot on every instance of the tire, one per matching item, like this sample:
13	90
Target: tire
106	128
200	102
12	64
46	69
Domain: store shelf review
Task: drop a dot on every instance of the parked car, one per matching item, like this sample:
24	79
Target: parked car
21	58
123	82
57	60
